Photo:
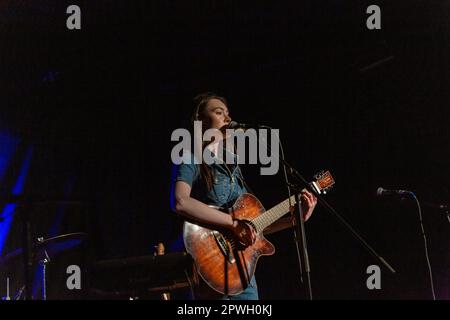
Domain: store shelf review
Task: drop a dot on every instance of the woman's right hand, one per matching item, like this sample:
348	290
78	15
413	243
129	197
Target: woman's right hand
244	232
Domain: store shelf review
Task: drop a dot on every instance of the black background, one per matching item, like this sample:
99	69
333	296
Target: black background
99	104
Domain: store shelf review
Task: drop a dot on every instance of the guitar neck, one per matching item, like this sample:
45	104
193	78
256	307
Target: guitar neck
323	183
272	215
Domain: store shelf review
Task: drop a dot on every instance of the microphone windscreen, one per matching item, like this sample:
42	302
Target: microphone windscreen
380	191
233	125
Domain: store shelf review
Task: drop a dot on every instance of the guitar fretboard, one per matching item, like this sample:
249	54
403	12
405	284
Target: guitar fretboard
272	215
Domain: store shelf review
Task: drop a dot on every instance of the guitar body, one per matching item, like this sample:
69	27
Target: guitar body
225	266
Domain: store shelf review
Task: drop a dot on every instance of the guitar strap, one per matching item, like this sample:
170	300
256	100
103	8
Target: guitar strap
240	177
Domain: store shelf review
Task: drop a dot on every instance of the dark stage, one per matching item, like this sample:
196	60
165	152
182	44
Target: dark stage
86	118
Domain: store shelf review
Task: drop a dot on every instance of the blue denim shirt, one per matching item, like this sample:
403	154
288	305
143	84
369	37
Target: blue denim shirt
227	181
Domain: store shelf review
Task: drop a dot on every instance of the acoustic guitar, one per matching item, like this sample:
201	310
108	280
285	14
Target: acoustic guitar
224	264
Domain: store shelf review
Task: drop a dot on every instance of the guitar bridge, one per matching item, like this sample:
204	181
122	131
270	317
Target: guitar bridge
224	247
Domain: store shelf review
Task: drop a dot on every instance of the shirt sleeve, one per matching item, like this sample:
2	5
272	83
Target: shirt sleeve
187	171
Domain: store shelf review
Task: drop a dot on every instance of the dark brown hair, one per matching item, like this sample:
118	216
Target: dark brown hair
201	101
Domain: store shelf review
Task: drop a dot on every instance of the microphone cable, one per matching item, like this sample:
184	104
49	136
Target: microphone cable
425	245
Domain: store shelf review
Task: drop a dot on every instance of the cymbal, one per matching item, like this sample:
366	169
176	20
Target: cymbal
52	246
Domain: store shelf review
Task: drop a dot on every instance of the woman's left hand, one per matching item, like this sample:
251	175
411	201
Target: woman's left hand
309	202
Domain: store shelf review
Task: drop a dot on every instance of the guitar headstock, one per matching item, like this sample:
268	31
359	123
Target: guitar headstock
323	183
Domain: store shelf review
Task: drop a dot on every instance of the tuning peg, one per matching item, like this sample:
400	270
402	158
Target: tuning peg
318	175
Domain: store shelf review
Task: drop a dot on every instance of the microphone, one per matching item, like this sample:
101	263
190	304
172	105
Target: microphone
237	125
384	192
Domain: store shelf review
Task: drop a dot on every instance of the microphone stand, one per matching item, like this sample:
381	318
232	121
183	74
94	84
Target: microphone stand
331	210
28	256
300	230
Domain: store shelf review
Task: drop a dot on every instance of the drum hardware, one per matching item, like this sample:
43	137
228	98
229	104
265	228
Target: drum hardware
42	251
